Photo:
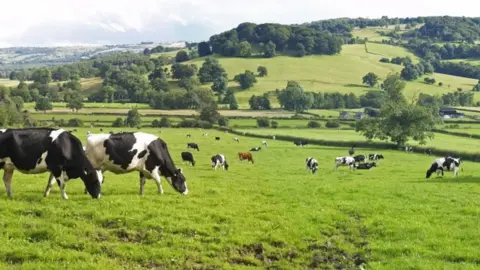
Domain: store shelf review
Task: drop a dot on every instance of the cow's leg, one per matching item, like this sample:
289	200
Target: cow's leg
51	181
142	183
61	182
156	177
7	179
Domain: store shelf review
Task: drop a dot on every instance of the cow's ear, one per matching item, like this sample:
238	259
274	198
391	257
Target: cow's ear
179	170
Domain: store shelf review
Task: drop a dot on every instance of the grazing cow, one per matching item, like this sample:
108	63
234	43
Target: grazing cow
312	164
345	161
300	143
219	160
256	149
189	136
205	134
375	156
193	146
366	166
441	164
264	143
408	149
428	151
236	139
187	156
273	137
360	158
217	138
38	150
126	152
245	155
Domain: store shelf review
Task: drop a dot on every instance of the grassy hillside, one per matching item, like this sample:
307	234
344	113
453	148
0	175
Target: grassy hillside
471	61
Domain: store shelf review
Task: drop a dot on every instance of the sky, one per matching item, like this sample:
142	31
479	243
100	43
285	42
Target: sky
69	22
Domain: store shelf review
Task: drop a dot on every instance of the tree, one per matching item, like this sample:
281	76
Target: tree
204	49
263	122
220	85
181	56
188	83
409	73
223	121
42	76
209	114
399	120
146	51
75	103
108	93
274	124
371	79
300	50
476	87
159	84
230	100
134	119
269	50
244	49
43	104
246	79
294	98
259	102
313	124
210	70
118	122
180	71
262	71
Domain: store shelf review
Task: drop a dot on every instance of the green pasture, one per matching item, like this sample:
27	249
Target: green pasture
440	141
272	214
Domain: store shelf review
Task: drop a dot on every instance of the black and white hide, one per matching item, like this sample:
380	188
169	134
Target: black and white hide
38	150
219	160
441	164
344	161
311	164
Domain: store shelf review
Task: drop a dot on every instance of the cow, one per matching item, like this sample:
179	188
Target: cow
256	149
38	150
236	139
375	156
366	166
245	155
273	137
428	151
441	164
217	138
188	157
300	143
189	136
345	161
193	146
360	158
205	134
219	160
311	164
145	153
264	143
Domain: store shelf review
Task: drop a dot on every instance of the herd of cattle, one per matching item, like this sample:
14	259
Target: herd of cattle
39	150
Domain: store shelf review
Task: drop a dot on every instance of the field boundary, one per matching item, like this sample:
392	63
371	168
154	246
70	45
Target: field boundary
475	157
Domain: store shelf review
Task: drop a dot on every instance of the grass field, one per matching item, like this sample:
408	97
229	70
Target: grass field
272	214
441	141
471	61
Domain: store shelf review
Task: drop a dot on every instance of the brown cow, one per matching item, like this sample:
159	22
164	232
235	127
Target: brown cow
245	155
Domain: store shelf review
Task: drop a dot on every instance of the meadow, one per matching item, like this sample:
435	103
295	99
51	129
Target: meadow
272	214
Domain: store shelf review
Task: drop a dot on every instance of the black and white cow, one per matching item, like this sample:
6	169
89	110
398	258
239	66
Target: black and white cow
360	158
441	164
375	156
366	166
264	143
219	160
126	152
38	150
300	143
345	161
205	134
311	164
236	139
217	138
193	146
256	149
188	157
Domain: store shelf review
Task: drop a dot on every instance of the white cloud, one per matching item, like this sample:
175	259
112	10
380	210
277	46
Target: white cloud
124	16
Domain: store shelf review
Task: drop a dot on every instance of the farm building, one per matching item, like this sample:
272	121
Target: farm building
450	113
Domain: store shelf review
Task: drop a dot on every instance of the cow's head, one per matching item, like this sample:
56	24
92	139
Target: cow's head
432	169
178	182
226	165
93	180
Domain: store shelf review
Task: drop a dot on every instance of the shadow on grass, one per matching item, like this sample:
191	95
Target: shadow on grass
448	179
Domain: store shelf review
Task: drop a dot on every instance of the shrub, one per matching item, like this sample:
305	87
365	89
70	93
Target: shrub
162	123
385	60
440	84
223	121
274	124
75	122
195	124
118	122
313	124
332	124
263	122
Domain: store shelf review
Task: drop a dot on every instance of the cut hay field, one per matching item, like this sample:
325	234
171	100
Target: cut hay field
273	214
441	141
472	61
